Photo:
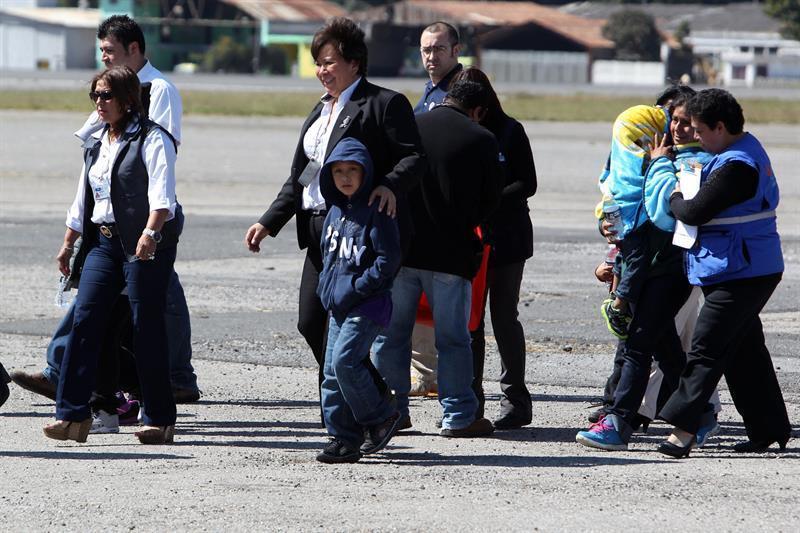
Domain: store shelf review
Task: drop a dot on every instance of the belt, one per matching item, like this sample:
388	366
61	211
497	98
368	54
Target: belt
317	212
108	230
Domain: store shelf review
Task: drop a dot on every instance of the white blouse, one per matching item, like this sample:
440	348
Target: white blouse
159	157
315	143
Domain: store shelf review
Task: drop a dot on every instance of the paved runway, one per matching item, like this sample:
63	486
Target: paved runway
243	457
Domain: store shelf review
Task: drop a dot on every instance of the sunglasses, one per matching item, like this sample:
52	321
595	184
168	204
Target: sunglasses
102	95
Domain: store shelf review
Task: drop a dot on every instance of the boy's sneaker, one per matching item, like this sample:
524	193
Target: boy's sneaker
338	452
103	422
617	321
706	432
602	435
377	437
129	413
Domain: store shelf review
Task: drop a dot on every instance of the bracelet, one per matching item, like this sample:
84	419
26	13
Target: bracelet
65	247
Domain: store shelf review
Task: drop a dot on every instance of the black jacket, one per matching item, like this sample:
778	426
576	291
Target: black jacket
509	229
460	189
384	122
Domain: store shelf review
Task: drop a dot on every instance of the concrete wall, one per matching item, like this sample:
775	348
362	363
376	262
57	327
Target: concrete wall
535	67
605	72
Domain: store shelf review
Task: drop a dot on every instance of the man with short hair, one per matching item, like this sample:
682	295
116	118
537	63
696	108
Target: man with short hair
121	43
458	191
439	47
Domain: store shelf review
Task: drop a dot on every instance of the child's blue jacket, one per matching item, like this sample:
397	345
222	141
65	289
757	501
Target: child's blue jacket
660	180
360	246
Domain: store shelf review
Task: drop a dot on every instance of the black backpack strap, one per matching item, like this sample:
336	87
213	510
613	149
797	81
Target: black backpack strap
145	96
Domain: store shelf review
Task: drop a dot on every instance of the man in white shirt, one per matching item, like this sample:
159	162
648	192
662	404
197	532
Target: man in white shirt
121	43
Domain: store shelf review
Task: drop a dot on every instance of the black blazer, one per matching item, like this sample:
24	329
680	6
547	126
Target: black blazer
383	121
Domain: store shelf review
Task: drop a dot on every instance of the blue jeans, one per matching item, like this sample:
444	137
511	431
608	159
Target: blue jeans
105	273
179	338
350	398
449	297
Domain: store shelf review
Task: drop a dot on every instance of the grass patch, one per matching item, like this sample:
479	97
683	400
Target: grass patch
564	108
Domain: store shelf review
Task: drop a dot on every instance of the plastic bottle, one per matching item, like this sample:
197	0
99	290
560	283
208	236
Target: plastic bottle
63	296
612	213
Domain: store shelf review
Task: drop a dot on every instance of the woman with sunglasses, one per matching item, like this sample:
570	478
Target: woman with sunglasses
124	209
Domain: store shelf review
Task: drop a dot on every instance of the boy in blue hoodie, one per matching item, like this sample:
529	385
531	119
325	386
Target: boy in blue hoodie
361	256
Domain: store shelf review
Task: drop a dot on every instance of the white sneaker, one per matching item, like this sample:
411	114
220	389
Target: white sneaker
103	422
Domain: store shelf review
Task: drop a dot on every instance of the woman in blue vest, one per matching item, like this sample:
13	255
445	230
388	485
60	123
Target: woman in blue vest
125	211
737	261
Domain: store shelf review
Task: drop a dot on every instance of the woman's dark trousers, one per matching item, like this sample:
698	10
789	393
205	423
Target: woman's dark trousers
105	273
729	341
503	285
651	334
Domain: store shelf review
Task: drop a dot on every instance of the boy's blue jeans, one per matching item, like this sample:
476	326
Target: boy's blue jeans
179	337
350	398
450	297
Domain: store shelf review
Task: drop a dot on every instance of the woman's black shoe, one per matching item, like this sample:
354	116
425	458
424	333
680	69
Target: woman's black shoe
667	448
641	421
759	446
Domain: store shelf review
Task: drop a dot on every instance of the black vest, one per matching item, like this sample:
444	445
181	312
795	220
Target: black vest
129	182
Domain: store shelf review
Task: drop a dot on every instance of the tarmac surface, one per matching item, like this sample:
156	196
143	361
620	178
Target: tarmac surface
244	454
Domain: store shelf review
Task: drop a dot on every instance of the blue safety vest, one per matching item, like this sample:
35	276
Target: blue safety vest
742	241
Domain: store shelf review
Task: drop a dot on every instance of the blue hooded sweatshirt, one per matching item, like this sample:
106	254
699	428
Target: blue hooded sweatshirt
360	246
661	178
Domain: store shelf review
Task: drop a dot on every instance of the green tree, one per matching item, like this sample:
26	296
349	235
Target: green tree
634	35
226	55
788	12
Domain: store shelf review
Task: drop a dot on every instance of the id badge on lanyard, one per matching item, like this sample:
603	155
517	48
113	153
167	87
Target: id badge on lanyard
101	187
307	176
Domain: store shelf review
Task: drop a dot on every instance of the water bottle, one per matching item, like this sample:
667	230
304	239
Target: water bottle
612	213
611	257
63	296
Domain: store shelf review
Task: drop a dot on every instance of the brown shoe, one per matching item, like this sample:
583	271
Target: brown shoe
35	383
479	428
66	430
182	395
156	435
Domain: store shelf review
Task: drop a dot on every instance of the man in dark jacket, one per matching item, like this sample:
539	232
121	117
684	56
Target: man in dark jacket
459	190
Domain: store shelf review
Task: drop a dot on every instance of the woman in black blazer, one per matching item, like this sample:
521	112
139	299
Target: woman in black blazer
382	120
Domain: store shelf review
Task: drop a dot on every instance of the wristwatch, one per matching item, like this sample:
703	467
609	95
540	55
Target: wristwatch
153	234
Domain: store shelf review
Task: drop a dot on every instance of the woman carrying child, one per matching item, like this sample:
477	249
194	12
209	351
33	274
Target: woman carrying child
738	263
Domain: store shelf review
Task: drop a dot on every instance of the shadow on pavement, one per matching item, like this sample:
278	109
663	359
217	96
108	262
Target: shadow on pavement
29	414
248	424
281	445
576	398
101	456
569	461
282	404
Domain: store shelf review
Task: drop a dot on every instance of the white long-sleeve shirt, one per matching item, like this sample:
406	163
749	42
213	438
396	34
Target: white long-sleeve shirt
159	157
315	142
166	107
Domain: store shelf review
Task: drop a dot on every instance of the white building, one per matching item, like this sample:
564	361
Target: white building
47	38
734	44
